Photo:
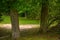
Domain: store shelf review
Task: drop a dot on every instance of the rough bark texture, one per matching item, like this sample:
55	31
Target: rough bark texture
44	16
15	24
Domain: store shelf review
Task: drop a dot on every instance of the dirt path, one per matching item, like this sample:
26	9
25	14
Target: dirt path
27	26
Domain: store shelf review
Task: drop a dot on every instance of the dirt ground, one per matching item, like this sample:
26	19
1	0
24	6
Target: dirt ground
27	26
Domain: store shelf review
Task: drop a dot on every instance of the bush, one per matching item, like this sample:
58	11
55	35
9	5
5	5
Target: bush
55	29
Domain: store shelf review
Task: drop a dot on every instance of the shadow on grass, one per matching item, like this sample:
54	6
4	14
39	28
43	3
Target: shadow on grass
5	34
28	34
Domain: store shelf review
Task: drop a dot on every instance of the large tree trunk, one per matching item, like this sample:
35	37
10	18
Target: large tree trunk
44	16
15	24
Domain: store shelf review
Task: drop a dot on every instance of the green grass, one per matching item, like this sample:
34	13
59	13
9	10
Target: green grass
6	20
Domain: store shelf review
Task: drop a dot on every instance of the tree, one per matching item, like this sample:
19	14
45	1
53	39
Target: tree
14	19
15	24
1	17
10	6
44	16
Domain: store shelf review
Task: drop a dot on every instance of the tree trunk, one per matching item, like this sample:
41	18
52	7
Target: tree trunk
15	24
1	17
25	15
44	16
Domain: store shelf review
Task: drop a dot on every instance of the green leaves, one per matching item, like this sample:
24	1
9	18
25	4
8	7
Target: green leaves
19	4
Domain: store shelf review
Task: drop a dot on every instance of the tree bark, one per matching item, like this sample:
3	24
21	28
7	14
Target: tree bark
15	24
44	16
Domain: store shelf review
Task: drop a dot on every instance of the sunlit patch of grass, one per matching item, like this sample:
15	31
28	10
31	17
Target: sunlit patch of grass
28	21
6	20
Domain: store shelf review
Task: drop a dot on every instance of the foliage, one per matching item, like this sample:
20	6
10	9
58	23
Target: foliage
32	7
54	11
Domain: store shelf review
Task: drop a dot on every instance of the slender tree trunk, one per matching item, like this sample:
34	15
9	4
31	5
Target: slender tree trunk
0	17
15	24
25	15
44	16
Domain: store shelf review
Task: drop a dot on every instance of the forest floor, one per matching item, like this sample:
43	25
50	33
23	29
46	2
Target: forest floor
30	26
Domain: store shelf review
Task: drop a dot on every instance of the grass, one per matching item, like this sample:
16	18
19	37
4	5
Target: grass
28	37
38	37
6	20
33	37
